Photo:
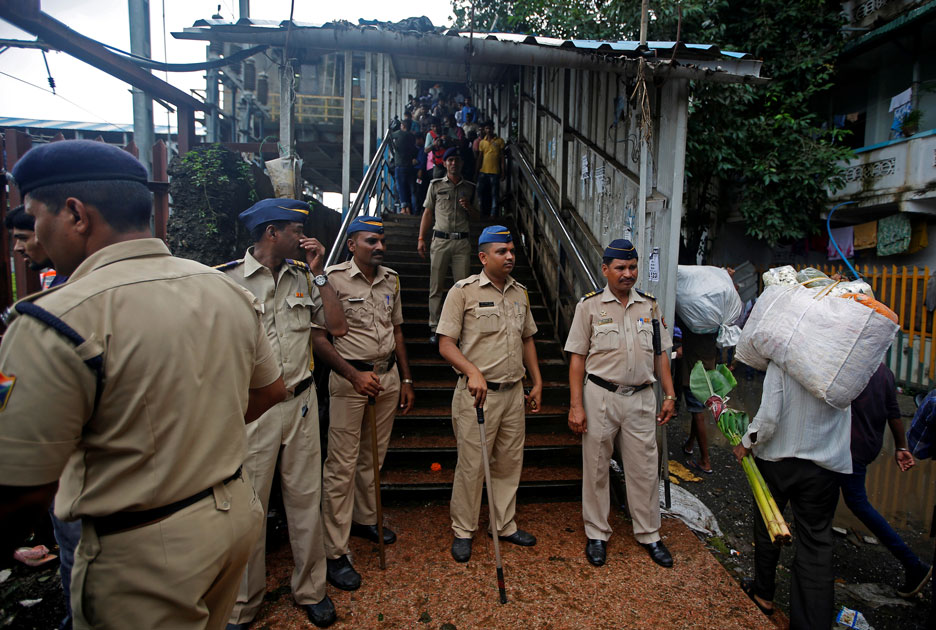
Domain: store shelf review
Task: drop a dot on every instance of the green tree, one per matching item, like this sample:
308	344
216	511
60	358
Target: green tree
764	150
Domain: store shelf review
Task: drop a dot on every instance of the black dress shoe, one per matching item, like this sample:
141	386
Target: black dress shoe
520	537
596	551
341	574
369	532
321	614
659	553
461	549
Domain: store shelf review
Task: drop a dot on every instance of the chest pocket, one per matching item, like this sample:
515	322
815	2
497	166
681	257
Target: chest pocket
606	336
645	335
488	318
357	311
300	312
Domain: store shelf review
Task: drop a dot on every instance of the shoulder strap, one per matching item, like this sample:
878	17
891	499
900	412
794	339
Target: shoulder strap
95	363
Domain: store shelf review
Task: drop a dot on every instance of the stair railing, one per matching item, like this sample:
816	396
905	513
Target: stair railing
377	183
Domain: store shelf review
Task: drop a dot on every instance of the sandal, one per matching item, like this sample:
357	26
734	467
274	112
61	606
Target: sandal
695	466
747	585
686	451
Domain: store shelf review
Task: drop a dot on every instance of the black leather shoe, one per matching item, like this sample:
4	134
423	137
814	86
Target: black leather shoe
520	537
369	532
461	549
321	614
236	626
596	551
341	574
659	553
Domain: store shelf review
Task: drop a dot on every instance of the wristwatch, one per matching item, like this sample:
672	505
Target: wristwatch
320	280
668	397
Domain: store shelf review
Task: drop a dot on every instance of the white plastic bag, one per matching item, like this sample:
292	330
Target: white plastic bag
831	346
707	302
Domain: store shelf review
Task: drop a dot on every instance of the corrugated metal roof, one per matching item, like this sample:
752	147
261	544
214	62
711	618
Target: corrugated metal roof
69	125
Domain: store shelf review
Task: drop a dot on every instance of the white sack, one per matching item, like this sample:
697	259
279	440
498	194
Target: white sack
707	302
831	346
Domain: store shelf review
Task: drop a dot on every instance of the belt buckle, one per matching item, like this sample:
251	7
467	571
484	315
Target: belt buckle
625	390
380	367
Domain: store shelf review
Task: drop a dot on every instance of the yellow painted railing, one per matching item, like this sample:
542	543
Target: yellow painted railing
314	108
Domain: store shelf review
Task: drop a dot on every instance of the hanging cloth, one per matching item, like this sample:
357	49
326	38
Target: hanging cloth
866	235
893	235
844	237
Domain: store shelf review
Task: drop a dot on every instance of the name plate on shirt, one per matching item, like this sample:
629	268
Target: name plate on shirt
485	303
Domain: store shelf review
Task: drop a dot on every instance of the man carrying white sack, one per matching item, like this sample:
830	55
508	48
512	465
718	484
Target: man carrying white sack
799	441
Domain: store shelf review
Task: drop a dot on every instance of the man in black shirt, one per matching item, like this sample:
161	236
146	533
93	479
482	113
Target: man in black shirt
874	408
404	159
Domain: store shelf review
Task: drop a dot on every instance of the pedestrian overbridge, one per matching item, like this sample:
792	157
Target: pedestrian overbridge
597	130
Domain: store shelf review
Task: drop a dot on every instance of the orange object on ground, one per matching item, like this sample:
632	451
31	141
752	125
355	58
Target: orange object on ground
871	303
436	467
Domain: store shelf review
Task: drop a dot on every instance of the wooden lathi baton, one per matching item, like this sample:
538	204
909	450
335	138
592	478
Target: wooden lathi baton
491	512
371	416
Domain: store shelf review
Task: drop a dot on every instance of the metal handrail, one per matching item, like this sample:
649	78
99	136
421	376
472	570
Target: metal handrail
364	191
565	237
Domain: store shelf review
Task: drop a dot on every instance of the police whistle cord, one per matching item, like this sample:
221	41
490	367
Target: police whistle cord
491	512
371	415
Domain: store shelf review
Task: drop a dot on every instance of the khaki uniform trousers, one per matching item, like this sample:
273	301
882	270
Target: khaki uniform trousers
181	572
505	429
445	253
629	421
284	432
348	487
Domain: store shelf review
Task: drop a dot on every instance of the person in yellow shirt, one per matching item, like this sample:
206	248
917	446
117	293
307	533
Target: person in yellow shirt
490	167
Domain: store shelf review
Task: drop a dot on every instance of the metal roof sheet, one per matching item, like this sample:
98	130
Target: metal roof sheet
70	125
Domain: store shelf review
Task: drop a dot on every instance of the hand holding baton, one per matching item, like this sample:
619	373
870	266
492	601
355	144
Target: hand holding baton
490	497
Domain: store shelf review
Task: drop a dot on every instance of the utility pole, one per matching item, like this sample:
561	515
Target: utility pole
142	103
244	8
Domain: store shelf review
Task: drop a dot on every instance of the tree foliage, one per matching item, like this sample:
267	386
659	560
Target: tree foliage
763	150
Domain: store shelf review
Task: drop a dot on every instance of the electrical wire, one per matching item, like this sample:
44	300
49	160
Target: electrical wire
70	102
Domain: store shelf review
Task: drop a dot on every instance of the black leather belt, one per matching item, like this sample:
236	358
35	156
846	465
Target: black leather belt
451	235
496	387
614	388
301	387
122	521
371	367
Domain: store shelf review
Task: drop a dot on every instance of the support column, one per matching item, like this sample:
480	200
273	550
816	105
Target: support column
561	148
368	97
537	99
388	95
287	102
346	134
142	103
212	97
381	97
243	8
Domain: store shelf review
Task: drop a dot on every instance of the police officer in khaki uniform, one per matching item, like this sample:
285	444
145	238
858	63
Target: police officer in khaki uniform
364	365
613	352
447	206
488	316
136	378
294	295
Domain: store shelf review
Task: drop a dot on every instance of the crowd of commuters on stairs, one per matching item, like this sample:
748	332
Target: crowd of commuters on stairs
153	400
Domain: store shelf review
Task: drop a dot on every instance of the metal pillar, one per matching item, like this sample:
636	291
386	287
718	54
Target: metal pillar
243	8
381	97
368	107
212	97
561	148
346	134
142	103
287	101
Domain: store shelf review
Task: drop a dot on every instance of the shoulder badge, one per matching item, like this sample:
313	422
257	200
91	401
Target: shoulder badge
646	295
297	263
590	294
228	265
6	388
465	282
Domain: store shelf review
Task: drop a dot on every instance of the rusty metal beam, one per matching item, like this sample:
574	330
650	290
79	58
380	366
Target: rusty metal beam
28	16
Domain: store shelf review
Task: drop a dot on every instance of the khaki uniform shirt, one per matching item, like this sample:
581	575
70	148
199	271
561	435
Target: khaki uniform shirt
181	347
290	304
617	339
489	325
442	198
371	308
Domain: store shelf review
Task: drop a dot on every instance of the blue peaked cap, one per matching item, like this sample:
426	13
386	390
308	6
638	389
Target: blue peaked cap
621	249
70	161
366	224
269	210
495	234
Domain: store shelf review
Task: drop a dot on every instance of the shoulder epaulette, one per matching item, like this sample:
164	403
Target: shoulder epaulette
391	271
437	179
342	266
228	265
590	294
466	281
297	263
646	295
